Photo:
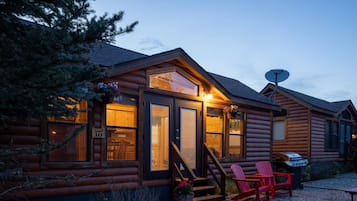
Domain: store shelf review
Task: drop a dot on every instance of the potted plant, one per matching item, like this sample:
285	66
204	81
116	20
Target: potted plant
231	111
184	191
108	90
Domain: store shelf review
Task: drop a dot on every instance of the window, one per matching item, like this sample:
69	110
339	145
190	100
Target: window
121	123
235	140
279	130
214	131
173	81
331	135
75	149
225	136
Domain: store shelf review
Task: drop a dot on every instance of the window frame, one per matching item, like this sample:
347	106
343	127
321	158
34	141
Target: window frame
179	71
280	119
222	134
226	134
330	135
136	128
242	118
46	163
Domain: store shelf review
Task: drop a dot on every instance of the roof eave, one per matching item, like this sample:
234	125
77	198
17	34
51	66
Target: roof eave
255	103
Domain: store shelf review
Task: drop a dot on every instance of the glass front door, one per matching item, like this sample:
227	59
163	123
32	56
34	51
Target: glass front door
170	120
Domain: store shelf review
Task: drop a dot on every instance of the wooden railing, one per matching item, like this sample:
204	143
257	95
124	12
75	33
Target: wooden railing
210	158
176	162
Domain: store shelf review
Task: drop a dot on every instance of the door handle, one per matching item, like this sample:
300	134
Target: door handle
177	134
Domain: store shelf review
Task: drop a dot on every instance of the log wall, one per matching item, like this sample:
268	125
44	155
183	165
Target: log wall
97	174
297	127
318	152
257	142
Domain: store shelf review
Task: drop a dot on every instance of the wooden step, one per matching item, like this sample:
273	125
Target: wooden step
203	188
209	198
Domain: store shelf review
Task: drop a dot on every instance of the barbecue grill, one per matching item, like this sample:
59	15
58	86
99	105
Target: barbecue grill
292	162
291	159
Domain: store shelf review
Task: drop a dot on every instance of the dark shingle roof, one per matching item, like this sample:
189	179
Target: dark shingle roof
107	55
316	102
238	89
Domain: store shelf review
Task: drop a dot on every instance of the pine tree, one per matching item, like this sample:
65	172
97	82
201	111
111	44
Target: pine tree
44	70
43	66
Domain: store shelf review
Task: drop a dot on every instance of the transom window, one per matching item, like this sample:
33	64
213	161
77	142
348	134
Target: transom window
173	81
121	123
58	129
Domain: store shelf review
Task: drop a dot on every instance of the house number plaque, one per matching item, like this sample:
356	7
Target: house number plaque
98	133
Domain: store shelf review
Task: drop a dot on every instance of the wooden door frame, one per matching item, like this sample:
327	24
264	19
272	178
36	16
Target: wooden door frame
173	102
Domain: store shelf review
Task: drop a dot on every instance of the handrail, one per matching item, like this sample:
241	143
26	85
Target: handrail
178	161
222	181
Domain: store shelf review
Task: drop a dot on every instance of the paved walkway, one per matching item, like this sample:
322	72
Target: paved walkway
324	190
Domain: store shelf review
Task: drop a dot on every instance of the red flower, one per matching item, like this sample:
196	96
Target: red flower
184	187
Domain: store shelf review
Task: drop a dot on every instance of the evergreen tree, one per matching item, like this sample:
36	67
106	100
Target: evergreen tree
44	71
43	67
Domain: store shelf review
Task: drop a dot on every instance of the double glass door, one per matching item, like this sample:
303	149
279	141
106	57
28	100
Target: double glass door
169	120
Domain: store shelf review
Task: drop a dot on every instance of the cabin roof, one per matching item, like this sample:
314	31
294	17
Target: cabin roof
125	60
313	102
105	54
238	89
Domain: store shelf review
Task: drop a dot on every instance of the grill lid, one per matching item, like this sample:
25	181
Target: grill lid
288	156
292	159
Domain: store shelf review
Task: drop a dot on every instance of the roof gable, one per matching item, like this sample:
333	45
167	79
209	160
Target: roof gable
310	101
124	61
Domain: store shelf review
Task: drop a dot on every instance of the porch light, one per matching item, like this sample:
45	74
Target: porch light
207	97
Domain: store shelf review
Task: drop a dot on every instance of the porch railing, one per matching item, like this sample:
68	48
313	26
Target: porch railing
177	162
210	158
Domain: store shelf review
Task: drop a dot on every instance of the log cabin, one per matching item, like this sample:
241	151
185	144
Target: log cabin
171	119
319	130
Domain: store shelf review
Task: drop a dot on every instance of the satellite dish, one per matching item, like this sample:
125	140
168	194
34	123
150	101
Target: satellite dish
277	75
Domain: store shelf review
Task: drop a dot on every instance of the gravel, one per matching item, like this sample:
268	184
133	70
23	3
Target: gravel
324	190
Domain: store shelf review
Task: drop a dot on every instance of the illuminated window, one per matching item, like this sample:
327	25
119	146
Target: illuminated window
235	140
160	123
76	148
121	122
173	81
225	136
214	131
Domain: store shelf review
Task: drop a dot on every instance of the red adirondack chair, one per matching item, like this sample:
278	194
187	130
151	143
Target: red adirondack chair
264	168
242	183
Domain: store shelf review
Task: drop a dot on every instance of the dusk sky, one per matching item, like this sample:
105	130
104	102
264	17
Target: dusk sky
315	40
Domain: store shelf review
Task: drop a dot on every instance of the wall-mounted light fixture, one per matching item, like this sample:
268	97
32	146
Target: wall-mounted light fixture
207	97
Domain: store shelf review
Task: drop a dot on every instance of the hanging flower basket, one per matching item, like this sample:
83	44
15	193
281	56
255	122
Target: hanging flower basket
108	91
231	111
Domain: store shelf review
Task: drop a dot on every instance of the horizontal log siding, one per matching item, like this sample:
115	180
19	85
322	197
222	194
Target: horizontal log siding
132	81
258	142
93	176
297	128
318	152
79	179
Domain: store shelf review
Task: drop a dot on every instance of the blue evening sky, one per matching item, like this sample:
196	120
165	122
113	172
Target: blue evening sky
315	40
